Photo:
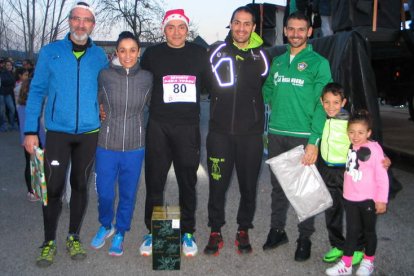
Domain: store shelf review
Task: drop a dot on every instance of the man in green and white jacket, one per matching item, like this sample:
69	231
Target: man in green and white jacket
292	90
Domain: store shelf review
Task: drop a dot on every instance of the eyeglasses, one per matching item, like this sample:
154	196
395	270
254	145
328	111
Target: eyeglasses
78	19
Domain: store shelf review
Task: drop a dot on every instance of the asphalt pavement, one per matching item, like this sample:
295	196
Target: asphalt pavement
21	227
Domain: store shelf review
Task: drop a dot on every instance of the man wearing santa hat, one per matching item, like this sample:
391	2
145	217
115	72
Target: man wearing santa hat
181	71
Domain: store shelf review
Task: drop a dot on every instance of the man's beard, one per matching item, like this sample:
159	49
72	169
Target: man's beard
80	38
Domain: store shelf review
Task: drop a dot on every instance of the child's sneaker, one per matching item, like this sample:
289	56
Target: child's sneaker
75	248
47	254
333	255
189	245
215	243
365	268
116	248
357	257
99	240
146	246
339	269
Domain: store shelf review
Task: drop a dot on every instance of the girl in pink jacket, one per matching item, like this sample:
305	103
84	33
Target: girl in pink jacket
365	194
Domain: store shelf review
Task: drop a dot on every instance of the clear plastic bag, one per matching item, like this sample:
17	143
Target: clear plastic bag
303	185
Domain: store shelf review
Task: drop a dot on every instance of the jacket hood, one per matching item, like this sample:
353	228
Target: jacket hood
342	115
255	41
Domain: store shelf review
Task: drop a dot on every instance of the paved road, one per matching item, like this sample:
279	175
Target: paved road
22	231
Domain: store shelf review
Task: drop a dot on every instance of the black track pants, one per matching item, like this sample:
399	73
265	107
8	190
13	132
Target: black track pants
60	148
224	152
179	145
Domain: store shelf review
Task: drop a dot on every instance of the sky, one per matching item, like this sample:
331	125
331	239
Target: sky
212	16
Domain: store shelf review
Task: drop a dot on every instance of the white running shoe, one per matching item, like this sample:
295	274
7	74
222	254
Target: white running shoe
365	268
339	269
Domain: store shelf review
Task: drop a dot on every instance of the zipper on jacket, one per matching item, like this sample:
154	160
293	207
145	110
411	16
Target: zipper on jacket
108	117
106	138
140	115
126	109
78	94
233	116
53	107
328	139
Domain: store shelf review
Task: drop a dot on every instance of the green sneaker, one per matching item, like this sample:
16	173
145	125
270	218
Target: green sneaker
48	253
357	257
333	255
75	248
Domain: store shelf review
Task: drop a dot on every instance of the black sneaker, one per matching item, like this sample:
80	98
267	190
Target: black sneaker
242	242
275	238
303	249
215	243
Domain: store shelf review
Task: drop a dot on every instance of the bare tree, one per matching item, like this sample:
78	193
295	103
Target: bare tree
54	19
34	22
140	16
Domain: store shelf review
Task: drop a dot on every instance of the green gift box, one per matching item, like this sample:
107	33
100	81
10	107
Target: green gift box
166	238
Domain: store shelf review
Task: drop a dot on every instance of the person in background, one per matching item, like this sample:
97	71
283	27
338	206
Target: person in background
28	64
181	71
323	8
293	90
236	125
67	74
20	107
365	194
7	103
124	90
21	75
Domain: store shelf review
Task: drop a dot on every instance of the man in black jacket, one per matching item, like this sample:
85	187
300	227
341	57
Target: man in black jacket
236	126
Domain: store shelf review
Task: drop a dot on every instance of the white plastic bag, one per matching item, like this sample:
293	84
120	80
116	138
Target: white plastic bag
303	185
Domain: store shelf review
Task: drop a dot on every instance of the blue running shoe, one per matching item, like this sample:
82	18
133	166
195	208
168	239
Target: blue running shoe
146	246
190	248
116	248
99	240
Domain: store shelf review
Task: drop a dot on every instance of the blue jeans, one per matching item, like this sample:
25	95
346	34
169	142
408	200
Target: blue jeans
126	166
7	100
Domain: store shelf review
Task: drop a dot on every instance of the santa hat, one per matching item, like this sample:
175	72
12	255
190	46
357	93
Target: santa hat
177	14
83	5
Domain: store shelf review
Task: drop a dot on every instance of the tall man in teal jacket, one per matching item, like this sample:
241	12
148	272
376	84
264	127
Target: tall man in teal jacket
67	74
292	90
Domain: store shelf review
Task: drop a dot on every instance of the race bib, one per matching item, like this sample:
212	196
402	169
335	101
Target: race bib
179	88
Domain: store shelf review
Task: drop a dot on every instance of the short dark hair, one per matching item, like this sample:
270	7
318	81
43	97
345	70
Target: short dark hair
126	35
245	9
300	16
334	88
